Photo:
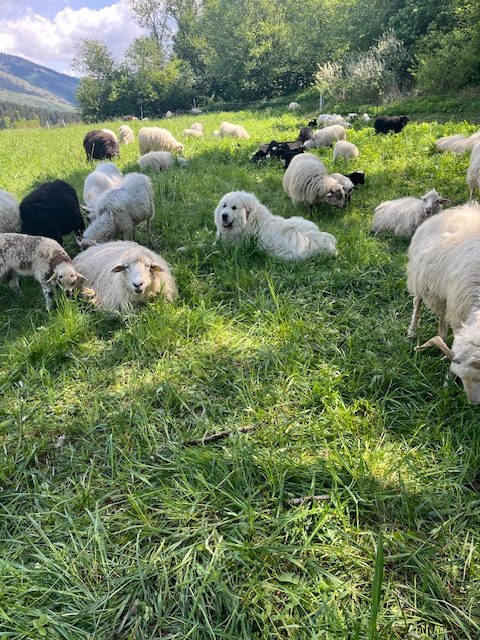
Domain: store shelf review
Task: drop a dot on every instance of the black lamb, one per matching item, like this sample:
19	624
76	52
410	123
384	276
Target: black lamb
384	124
100	145
357	177
52	210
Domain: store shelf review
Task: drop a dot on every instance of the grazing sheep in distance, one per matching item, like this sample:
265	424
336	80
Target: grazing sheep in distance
118	211
444	272
326	137
366	117
168	114
293	106
306	182
123	274
473	173
100	145
196	111
197	126
128	117
240	215
234	130
351	116
192	133
42	258
52	210
157	139
404	215
345	150
159	160
105	176
10	221
457	143
384	124
126	134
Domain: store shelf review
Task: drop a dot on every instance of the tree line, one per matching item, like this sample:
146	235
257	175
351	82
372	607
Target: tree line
18	115
244	50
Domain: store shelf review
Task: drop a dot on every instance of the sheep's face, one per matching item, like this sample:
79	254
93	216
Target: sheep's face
137	275
65	277
336	196
466	361
433	202
179	148
231	216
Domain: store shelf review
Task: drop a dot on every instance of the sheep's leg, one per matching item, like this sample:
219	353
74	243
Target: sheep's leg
442	327
417	302
13	283
48	295
472	191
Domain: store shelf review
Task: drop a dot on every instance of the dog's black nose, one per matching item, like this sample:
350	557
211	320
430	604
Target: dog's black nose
224	216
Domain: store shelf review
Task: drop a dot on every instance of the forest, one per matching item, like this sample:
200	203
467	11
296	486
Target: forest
208	51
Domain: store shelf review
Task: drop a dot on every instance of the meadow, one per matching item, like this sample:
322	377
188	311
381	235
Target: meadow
117	521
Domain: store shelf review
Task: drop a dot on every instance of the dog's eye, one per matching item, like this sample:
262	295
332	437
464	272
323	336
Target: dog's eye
234	207
224	204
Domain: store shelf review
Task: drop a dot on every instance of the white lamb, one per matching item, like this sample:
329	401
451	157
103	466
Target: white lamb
126	134
366	117
106	176
10	221
404	215
293	106
197	126
41	258
234	130
240	215
326	137
306	182
118	211
345	150
159	160
192	133
444	272
457	143
473	173
120	275
157	139
168	114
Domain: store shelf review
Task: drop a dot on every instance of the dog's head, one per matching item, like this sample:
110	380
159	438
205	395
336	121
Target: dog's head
233	213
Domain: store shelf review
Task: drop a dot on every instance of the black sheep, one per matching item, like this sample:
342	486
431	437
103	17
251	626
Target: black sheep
306	133
384	124
288	155
52	210
313	123
100	145
357	177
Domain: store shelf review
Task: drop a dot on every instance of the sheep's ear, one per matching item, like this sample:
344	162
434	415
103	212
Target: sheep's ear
118	268
80	276
436	341
79	240
445	201
53	278
157	267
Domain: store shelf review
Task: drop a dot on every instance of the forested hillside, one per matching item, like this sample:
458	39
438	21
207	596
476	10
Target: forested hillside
223	50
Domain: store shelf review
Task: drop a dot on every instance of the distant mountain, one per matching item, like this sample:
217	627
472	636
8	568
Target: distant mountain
19	76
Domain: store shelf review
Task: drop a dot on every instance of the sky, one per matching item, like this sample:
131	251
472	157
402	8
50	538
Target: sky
46	31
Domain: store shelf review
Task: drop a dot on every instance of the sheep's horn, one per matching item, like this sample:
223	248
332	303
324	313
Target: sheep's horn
436	341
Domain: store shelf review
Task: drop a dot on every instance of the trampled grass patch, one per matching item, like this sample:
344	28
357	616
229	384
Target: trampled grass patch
112	526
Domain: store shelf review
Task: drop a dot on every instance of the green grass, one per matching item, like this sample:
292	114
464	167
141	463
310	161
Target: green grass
111	528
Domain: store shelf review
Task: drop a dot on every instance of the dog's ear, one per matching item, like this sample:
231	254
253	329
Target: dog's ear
248	210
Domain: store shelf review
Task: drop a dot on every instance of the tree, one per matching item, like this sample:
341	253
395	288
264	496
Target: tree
93	59
156	16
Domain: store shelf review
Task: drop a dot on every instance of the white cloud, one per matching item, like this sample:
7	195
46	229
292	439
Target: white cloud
51	42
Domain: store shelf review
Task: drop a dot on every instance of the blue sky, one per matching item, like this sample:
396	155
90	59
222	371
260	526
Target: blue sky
46	31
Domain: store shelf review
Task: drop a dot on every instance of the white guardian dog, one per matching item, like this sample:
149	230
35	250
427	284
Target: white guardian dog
239	215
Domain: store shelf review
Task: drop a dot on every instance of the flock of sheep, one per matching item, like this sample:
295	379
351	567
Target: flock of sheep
444	254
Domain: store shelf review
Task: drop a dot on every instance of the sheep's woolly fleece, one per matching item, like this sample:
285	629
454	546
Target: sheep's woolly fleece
121	275
157	139
402	216
326	137
234	130
473	173
306	182
345	150
457	143
240	215
106	176
10	221
126	134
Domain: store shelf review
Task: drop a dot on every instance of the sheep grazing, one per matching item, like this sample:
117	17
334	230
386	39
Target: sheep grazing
293	106
473	173
10	221
106	176
196	111
197	126
346	183
157	139
234	130
126	134
326	137
110	133
168	114
366	117
42	258
52	210
305	133
121	275
192	133
384	124
357	177
458	143
159	160
444	272
118	211
239	215
401	217
101	145
351	116
345	150
128	117
306	182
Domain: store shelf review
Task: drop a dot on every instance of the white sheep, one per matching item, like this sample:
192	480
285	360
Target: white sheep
196	111
126	134
351	116
345	150
473	173
234	130
106	176
346	183
118	211
192	133
240	215
306	181
157	139
197	126
366	117
120	275
159	160
444	272
330	119
168	114
404	215
10	221
293	106
42	258
326	137
457	143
